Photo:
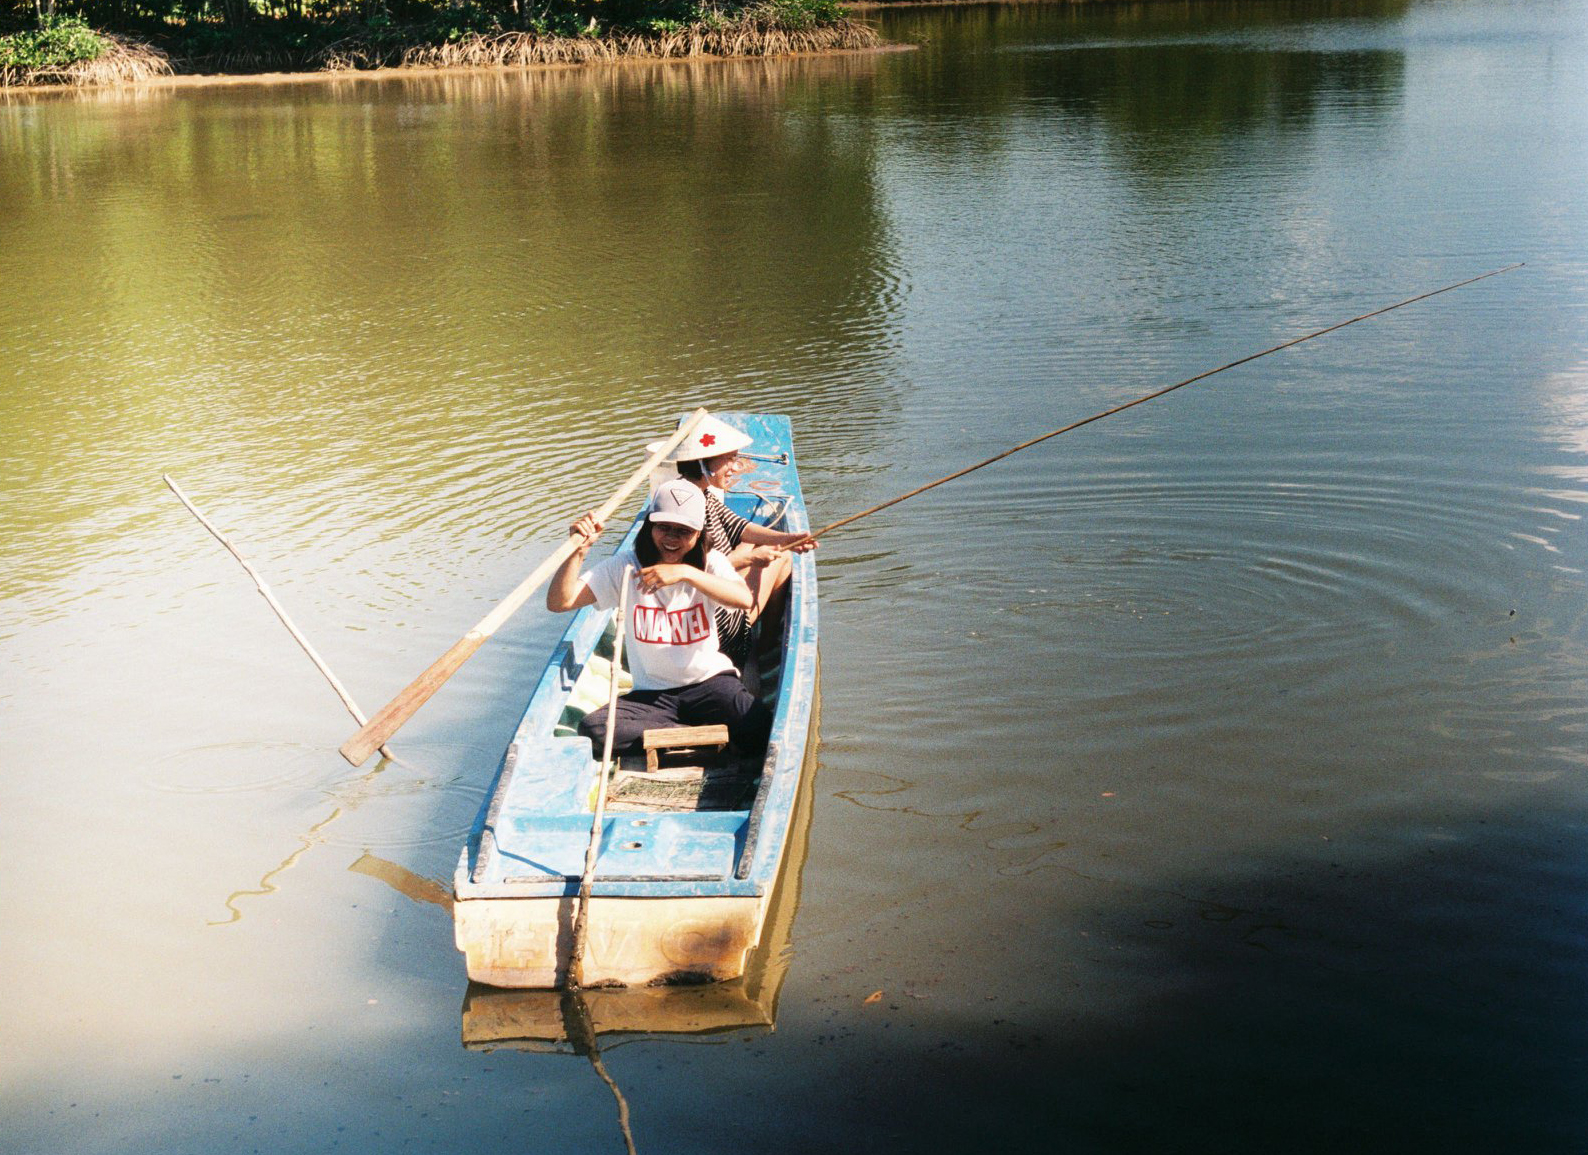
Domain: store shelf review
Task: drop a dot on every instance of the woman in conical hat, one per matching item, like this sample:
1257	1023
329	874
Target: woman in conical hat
709	458
713	437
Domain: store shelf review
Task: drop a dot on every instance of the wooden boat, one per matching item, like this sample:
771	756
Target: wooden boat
688	863
544	1020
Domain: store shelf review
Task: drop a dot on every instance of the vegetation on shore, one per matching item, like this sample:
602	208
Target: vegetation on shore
67	51
108	41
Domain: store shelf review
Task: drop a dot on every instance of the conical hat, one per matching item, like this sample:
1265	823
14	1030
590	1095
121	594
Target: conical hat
711	438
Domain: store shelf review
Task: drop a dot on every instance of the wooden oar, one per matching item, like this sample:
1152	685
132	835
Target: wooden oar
392	715
259	582
593	849
826	529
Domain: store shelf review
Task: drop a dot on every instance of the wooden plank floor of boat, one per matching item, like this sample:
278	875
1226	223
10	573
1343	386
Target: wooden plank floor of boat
725	782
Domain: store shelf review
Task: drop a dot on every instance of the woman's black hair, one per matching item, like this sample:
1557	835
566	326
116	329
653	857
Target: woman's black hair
645	549
692	470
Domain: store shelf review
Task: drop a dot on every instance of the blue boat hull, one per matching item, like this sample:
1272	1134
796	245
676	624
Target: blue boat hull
675	896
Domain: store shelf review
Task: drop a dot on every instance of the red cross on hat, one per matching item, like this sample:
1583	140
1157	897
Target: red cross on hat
711	438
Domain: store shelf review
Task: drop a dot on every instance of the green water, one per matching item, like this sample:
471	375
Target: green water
1209	779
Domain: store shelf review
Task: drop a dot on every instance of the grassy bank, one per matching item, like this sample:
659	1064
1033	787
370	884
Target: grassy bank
128	40
68	51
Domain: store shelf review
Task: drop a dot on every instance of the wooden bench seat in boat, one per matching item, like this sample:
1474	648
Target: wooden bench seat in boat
683	741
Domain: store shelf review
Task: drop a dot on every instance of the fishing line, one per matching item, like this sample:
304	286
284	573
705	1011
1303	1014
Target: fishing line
1150	396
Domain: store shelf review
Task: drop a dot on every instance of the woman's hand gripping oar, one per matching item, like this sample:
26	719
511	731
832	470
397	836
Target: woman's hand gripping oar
392	715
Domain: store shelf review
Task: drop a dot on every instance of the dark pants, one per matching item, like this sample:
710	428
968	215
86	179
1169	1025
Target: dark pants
719	700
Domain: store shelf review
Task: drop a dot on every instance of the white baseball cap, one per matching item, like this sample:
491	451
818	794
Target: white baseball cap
711	438
679	503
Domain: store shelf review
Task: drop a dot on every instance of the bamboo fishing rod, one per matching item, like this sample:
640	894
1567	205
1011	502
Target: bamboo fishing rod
854	517
280	610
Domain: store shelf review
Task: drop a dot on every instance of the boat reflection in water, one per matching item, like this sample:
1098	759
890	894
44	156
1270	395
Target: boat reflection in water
578	1023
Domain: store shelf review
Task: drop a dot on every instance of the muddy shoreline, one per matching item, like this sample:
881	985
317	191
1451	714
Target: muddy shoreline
408	72
136	65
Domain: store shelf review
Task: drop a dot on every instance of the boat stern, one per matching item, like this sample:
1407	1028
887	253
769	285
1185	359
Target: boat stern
526	942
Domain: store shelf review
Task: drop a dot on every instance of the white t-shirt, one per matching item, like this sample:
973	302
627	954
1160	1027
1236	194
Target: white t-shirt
671	640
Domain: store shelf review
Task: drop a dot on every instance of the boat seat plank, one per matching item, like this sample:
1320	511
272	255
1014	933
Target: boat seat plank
669	737
681	738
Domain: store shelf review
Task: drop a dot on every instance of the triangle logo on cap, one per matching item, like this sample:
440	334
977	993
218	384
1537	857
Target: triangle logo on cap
679	503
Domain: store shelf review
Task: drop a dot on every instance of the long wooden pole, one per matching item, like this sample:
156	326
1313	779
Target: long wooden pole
259	582
392	715
826	529
581	1032
592	850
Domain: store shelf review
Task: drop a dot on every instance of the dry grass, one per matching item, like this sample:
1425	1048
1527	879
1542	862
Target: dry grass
126	60
245	59
740	39
129	60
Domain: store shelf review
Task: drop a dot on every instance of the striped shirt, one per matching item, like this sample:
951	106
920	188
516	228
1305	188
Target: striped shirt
724	531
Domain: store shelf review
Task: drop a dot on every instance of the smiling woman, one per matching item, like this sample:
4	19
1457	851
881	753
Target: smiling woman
673	583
